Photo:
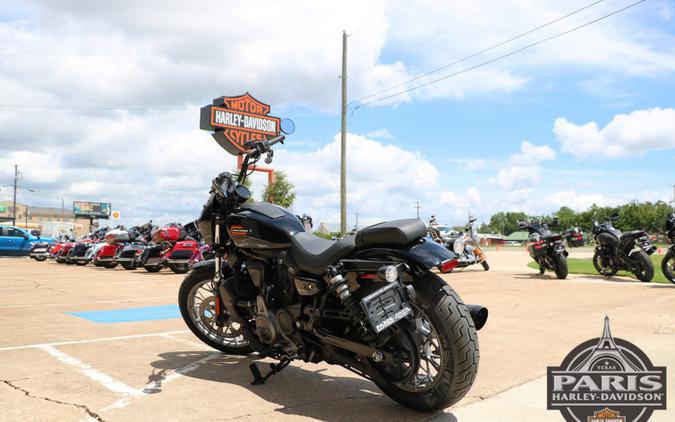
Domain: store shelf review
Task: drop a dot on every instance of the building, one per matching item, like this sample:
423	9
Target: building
35	217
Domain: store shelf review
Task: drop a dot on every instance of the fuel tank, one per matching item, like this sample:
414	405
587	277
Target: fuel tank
607	239
263	226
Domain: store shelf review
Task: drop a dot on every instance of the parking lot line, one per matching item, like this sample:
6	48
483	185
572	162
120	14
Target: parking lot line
95	375
33	305
152	386
94	340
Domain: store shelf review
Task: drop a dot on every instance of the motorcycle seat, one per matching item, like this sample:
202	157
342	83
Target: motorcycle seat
631	234
397	232
314	254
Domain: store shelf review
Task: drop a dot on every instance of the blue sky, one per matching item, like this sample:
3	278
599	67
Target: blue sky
512	135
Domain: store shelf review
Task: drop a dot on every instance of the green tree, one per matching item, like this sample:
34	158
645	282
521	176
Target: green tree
280	192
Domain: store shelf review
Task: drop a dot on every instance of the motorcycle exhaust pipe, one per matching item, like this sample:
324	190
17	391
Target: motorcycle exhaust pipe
479	315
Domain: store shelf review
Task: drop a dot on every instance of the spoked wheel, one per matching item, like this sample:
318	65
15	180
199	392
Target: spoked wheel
437	358
668	267
197	301
603	265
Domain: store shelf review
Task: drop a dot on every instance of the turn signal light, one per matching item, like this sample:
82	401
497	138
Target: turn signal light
448	265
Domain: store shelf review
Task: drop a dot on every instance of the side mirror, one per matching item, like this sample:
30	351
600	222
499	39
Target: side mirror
287	126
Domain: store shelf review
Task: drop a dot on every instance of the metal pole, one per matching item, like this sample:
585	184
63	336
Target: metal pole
63	211
343	140
27	211
16	178
418	209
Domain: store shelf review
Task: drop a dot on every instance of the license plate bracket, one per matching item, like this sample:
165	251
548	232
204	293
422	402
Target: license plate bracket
385	306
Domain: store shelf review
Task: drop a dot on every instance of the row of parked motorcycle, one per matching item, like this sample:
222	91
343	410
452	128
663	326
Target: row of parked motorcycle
615	251
173	246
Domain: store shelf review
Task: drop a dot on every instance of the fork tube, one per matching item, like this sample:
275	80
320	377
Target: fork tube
219	254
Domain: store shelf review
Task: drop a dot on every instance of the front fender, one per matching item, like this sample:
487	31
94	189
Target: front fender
424	254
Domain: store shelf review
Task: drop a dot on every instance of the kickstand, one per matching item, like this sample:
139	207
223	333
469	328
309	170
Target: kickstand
258	379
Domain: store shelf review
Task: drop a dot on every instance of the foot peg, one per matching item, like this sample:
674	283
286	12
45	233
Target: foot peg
259	379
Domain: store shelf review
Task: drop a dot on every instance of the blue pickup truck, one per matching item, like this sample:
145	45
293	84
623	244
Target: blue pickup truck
15	241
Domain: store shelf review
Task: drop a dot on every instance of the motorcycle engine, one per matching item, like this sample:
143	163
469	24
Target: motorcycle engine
276	328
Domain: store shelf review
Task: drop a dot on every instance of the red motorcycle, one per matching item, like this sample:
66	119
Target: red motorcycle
115	240
173	248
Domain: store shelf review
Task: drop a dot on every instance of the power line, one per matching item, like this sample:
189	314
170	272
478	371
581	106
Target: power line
503	56
485	50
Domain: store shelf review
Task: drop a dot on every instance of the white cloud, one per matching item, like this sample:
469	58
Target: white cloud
579	201
382	133
636	133
523	169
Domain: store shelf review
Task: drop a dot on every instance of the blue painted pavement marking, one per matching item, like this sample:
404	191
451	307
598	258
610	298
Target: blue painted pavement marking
147	313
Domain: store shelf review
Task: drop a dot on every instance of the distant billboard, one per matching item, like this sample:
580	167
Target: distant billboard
91	209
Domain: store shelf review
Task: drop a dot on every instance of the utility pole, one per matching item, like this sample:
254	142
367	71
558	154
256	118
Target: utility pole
343	139
356	225
63	211
418	206
16	179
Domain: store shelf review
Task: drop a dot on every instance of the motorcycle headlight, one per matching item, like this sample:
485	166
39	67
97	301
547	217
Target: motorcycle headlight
458	246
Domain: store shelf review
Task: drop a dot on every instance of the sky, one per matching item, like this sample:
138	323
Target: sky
99	101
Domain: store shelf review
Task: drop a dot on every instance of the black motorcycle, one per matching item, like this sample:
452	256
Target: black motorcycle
129	255
546	248
627	251
668	263
369	302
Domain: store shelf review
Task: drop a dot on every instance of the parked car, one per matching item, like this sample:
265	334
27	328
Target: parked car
15	241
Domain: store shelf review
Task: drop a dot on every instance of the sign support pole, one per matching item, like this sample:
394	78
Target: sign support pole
343	139
16	179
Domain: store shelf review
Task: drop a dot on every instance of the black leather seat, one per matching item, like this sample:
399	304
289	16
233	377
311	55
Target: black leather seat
314	254
631	234
396	232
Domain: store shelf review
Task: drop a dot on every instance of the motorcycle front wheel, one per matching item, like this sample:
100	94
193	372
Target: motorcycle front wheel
485	265
442	348
197	302
645	270
668	267
603	267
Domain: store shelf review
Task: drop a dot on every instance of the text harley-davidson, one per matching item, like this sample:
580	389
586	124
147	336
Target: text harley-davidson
368	302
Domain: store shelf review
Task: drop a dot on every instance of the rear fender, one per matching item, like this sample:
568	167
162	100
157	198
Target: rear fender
423	254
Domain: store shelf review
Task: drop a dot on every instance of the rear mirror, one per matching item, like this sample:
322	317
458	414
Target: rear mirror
287	126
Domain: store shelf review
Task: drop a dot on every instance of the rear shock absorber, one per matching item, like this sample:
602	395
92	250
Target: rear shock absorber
341	285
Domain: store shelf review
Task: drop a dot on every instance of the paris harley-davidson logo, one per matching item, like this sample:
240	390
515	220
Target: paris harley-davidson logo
237	120
606	379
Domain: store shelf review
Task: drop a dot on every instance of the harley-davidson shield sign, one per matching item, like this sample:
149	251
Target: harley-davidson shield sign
237	120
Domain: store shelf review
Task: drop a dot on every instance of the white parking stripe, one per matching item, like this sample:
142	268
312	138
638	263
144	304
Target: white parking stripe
153	386
95	375
94	340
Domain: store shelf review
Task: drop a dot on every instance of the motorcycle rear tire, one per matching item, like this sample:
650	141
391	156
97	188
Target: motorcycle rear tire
601	270
646	273
153	268
128	265
179	268
561	269
81	263
485	265
459	345
110	265
40	258
668	267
